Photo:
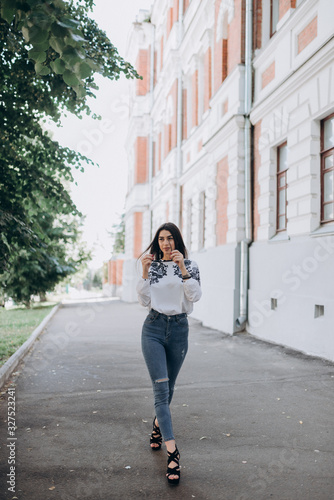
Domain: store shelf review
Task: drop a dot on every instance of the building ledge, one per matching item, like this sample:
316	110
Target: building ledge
281	236
326	229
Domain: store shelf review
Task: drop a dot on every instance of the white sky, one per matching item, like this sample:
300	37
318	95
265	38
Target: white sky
100	194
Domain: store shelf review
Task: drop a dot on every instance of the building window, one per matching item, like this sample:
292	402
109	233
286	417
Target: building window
225	15
224	58
282	166
201	239
201	85
327	169
274	16
194	99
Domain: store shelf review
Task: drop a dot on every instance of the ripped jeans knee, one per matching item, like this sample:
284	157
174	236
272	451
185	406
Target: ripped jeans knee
162	398
161	391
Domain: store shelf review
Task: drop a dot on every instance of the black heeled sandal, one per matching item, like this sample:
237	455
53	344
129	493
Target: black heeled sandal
175	471
156	437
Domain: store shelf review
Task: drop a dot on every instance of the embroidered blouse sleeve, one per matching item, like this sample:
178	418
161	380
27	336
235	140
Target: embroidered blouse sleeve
192	286
144	292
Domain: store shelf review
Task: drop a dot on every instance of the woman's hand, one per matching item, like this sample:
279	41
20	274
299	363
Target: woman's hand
178	258
146	261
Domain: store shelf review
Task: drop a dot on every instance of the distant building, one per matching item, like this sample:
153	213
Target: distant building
231	137
113	276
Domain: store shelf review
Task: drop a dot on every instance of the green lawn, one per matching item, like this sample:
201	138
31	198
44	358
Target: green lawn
16	325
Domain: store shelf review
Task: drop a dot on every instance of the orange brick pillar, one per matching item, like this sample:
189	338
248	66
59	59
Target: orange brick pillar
185	4
308	34
111	272
194	98
137	233
119	271
184	115
207	81
284	6
143	68
141	160
173	132
222	201
268	75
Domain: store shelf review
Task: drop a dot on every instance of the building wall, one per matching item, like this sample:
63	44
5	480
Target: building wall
113	282
293	93
190	169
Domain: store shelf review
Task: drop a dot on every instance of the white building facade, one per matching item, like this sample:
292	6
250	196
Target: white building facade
231	137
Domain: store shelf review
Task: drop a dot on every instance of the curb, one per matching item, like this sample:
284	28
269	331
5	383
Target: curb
14	360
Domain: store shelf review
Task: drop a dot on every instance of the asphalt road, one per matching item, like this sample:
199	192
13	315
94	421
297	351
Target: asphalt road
252	421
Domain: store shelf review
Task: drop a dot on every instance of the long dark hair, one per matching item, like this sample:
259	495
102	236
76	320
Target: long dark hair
154	248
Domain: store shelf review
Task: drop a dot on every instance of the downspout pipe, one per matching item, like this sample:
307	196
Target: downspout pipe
179	118
151	159
244	249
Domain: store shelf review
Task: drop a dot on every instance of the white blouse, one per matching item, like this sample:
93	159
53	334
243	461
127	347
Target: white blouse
166	291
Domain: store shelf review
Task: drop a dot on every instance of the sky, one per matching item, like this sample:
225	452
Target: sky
100	191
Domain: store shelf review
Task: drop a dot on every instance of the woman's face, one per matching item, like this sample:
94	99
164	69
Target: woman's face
166	243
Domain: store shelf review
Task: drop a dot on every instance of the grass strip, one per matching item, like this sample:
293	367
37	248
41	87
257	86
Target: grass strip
16	326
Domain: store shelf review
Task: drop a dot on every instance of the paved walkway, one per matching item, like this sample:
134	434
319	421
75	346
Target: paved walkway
253	421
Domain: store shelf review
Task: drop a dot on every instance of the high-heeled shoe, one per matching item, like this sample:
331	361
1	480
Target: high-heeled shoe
156	437
173	471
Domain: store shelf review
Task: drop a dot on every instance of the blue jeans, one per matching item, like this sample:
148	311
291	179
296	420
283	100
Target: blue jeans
164	346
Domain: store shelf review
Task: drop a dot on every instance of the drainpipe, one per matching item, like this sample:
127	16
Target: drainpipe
150	161
179	119
244	268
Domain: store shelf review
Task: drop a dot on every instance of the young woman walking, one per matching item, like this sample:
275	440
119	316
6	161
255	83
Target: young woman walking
168	287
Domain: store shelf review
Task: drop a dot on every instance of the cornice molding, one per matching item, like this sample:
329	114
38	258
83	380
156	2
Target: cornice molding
293	80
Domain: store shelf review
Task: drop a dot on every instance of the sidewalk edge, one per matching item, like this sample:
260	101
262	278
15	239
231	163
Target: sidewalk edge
14	360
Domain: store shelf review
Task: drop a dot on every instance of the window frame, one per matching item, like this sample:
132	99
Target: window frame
324	153
279	174
272	33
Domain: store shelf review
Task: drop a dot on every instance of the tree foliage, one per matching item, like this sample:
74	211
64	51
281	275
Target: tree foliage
118	235
49	53
62	40
34	271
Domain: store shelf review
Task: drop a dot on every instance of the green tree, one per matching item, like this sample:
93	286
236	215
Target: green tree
62	40
49	53
118	235
97	279
34	271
